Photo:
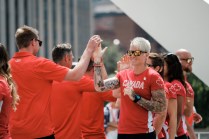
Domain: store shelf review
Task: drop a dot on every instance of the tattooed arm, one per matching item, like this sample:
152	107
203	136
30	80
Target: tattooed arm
104	85
157	102
159	119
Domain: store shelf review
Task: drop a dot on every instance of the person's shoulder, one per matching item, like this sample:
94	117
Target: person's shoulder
176	82
3	80
151	71
41	61
3	85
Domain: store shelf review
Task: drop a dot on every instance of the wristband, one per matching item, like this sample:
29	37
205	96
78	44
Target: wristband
136	98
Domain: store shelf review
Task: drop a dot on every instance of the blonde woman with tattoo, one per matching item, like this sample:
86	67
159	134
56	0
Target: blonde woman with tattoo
8	95
142	92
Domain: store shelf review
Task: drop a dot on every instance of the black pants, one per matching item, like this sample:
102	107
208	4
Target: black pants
47	137
182	137
151	135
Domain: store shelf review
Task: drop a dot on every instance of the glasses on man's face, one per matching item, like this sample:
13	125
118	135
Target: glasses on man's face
188	60
134	53
39	42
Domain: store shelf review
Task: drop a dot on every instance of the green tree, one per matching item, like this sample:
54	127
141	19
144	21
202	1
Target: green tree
111	57
201	100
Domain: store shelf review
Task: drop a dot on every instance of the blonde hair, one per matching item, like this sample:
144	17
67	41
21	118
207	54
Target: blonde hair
142	44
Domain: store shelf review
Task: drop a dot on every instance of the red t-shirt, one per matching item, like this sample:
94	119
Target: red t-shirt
92	114
133	118
180	90
34	77
5	108
66	102
190	91
171	91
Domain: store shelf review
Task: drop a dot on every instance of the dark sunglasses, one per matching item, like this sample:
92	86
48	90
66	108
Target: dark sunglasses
135	53
188	60
39	42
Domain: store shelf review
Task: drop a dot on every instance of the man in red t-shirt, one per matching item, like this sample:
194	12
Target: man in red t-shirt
34	77
75	98
186	60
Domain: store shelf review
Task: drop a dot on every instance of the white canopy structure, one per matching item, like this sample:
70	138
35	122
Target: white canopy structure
175	24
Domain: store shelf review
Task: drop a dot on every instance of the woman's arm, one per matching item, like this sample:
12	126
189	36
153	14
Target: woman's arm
156	104
159	119
180	100
104	85
172	113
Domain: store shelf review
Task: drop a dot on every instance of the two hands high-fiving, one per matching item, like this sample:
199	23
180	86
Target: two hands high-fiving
98	53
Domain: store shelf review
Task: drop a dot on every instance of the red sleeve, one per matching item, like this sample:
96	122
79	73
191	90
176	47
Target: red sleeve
190	91
156	82
2	89
171	91
179	88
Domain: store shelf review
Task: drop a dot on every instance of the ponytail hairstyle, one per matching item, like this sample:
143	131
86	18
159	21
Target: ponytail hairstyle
5	72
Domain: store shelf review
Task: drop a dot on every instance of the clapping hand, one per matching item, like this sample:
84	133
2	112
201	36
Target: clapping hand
130	92
124	63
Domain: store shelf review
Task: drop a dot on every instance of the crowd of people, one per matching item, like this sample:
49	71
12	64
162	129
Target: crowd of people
149	97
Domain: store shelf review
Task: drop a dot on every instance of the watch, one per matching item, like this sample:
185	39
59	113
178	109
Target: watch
136	98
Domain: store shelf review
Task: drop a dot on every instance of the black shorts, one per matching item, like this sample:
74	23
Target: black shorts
151	135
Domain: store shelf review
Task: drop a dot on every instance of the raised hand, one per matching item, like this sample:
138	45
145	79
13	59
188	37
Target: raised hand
98	53
124	63
93	43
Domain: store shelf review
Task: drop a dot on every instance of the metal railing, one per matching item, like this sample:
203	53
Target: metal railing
202	135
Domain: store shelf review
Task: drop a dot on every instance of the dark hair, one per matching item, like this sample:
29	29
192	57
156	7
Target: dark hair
157	60
5	72
59	51
24	35
174	67
4	58
90	66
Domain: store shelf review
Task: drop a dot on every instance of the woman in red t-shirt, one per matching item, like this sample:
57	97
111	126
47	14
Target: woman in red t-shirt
8	94
174	75
142	92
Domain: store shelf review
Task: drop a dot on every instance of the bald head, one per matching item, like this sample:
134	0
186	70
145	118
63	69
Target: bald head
186	59
181	52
